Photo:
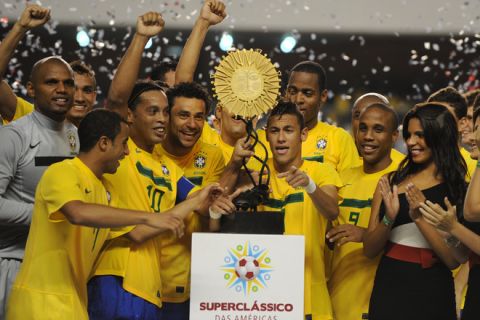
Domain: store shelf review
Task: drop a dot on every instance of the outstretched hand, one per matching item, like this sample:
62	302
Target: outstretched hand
150	24
295	177
33	16
224	204
213	11
167	222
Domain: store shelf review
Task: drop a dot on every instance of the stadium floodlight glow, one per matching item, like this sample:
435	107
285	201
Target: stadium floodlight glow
149	44
226	42
82	38
287	44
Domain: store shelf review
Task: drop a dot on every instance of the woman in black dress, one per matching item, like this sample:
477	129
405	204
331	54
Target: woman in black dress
467	230
413	279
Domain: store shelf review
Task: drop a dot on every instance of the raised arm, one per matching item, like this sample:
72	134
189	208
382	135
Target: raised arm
181	211
212	13
33	16
324	198
148	25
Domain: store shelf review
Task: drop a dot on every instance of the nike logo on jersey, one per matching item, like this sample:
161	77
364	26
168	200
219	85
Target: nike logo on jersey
87	191
34	145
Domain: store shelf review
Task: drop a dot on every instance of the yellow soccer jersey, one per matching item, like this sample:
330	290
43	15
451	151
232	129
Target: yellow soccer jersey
330	144
22	109
209	135
142	182
471	164
396	156
352	274
59	256
302	217
202	166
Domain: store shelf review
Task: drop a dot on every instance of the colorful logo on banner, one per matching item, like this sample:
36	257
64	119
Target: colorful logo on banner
247	268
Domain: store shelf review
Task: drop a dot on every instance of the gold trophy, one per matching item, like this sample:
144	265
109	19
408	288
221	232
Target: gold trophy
247	84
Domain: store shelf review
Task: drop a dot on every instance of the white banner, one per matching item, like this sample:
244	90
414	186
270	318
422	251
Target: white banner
247	277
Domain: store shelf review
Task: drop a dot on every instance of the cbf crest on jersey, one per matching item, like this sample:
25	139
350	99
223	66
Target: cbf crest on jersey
72	141
200	160
321	143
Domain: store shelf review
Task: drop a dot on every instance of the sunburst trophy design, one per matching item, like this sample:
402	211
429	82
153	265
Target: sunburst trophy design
246	83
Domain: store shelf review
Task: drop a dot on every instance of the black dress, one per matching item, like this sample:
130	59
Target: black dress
405	290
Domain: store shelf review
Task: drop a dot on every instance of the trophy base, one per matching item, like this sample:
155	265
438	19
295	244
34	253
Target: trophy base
260	222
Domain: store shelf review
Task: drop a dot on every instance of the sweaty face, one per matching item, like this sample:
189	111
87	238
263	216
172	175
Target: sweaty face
117	150
52	88
285	138
417	147
186	120
150	118
375	137
84	98
303	90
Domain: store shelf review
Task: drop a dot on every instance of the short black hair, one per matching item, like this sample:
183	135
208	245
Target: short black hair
140	87
394	122
470	96
313	67
80	67
189	90
96	124
286	107
453	98
158	72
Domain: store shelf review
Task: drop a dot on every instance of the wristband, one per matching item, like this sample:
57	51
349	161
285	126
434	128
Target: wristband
214	215
386	221
311	186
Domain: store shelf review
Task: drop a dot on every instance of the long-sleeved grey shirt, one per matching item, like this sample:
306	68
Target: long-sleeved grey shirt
27	147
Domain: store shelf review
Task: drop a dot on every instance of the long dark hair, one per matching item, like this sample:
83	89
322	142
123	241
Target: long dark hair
441	136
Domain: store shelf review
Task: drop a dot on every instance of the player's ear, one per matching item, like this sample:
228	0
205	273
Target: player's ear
103	143
30	89
129	115
395	135
304	134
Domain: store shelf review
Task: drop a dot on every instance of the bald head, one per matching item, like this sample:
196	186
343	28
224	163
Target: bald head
361	103
45	63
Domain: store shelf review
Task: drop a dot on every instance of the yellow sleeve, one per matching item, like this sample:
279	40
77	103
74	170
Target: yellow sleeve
23	108
59	185
326	175
346	154
209	135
